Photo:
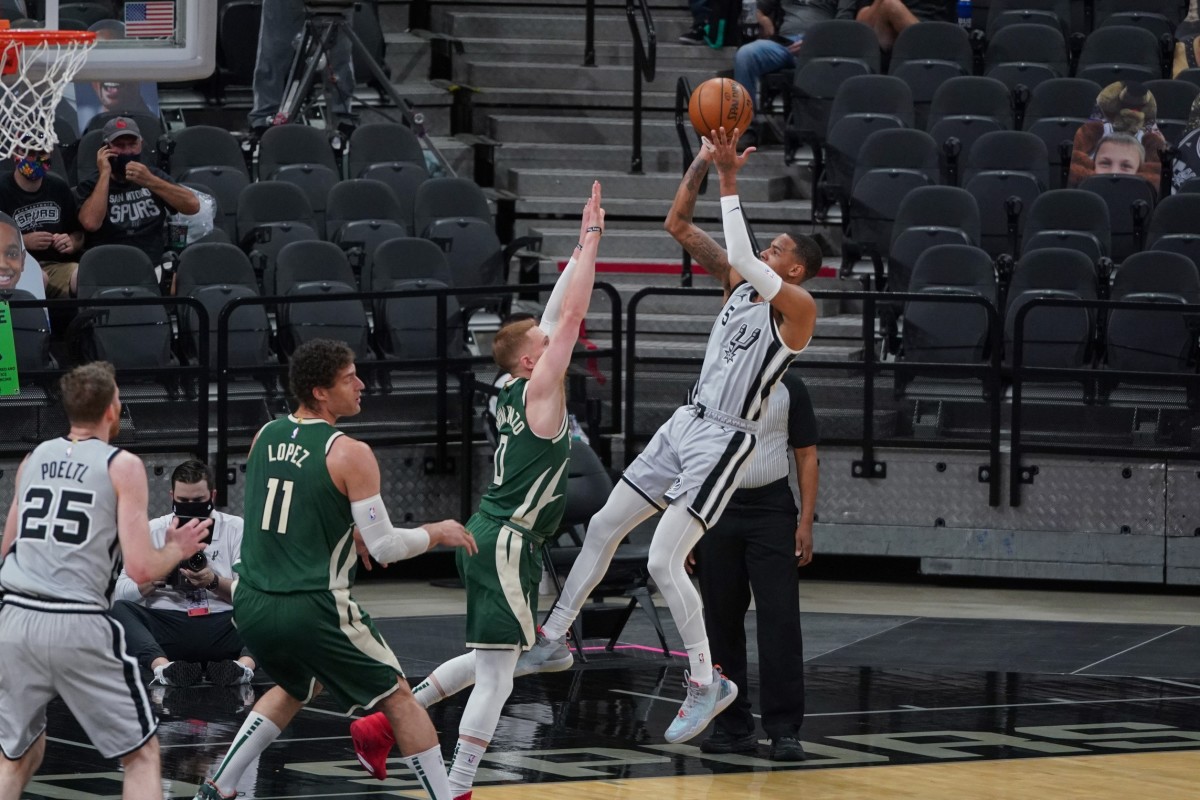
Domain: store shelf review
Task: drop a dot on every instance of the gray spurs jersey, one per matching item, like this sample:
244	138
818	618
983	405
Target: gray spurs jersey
66	550
744	359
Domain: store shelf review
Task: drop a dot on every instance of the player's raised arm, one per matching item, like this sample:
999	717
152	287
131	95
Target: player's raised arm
702	247
354	470
778	281
544	397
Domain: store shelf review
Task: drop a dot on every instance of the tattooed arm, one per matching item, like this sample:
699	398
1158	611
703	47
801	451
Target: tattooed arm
702	248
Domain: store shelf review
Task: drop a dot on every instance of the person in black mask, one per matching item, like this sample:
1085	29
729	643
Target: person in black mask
128	202
181	628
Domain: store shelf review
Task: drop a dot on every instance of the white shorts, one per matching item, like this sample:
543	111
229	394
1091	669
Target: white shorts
79	657
694	458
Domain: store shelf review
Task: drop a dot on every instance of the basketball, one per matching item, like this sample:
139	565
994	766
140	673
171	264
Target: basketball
720	102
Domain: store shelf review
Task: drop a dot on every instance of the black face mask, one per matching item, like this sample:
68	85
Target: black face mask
120	162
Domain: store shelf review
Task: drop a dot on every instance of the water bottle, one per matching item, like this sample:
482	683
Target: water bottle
964	14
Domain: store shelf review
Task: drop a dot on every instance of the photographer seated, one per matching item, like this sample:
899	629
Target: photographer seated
175	626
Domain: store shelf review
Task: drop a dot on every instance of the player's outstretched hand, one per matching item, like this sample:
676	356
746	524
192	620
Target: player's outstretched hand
725	154
593	214
188	538
452	534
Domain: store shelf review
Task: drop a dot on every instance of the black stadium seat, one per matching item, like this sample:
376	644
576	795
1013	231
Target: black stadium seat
1069	218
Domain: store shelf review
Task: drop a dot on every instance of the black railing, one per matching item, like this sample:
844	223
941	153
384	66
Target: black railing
870	367
1094	382
185	382
643	68
589	34
442	366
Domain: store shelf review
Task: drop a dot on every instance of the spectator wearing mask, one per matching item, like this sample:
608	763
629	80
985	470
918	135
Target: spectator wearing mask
44	208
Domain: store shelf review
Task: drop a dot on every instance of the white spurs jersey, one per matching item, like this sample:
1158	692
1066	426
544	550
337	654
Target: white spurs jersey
66	548
744	359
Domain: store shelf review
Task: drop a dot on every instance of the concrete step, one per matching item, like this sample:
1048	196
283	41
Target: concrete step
623	243
670	55
558	25
483	74
570	183
407	55
657	96
778	214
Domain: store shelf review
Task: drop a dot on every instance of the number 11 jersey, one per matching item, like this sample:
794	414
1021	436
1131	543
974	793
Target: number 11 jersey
297	535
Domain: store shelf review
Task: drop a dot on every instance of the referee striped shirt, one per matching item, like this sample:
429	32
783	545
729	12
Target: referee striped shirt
787	423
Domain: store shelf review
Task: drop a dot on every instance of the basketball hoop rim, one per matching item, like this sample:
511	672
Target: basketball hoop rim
27	36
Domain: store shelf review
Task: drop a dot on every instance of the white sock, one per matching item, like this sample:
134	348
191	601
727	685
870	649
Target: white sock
467	756
428	693
431	771
700	663
558	623
256	735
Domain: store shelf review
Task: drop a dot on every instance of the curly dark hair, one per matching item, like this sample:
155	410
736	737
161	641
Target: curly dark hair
316	364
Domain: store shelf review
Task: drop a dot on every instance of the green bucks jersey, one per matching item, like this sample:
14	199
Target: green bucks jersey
297	535
529	481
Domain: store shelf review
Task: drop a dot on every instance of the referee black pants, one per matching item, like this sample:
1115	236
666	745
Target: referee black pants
152	633
753	546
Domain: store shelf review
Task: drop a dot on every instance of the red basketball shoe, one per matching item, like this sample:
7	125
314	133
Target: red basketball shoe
373	739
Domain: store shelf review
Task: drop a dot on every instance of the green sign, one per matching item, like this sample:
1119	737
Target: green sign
9	384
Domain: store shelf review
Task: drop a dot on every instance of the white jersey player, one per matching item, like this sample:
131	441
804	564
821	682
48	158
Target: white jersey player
78	498
693	464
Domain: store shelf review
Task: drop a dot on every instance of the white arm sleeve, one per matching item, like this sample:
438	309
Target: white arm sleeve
549	320
741	255
385	543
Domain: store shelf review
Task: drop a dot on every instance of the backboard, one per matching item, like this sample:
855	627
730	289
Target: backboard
164	40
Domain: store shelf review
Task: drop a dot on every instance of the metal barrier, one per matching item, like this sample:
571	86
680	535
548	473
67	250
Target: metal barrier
643	68
1022	373
197	372
870	367
443	365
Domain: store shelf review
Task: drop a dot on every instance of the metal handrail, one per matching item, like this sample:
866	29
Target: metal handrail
198	371
989	373
442	364
643	68
1021	372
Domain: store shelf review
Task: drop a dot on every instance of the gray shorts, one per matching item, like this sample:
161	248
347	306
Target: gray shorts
693	458
79	657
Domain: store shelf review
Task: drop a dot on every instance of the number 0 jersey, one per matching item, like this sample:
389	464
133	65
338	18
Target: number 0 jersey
529	480
66	547
297	534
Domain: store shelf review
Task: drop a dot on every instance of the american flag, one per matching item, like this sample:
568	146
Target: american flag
154	19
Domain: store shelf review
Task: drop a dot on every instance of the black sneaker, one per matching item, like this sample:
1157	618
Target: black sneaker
722	741
178	673
694	36
787	748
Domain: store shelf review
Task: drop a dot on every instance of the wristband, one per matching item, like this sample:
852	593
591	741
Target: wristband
595	229
579	245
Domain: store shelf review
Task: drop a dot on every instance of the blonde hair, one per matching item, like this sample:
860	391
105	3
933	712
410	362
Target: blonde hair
88	391
509	344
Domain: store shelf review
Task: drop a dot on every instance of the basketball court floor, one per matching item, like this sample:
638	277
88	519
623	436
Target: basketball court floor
912	692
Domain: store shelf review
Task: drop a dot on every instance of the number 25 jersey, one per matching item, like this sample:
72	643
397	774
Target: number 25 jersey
66	547
297	535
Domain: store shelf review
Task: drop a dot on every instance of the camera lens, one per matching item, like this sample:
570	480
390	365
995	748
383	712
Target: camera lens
197	562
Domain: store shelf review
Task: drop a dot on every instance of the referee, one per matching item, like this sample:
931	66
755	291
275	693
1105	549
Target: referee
758	545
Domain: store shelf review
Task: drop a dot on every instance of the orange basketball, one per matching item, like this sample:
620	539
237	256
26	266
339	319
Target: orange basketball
720	102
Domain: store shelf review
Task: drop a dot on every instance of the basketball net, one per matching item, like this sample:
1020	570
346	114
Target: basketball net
35	68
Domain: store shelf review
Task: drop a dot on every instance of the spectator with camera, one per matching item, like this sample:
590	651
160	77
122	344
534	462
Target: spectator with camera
181	628
128	202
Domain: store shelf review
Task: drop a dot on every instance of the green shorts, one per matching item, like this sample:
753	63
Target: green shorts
321	637
502	586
